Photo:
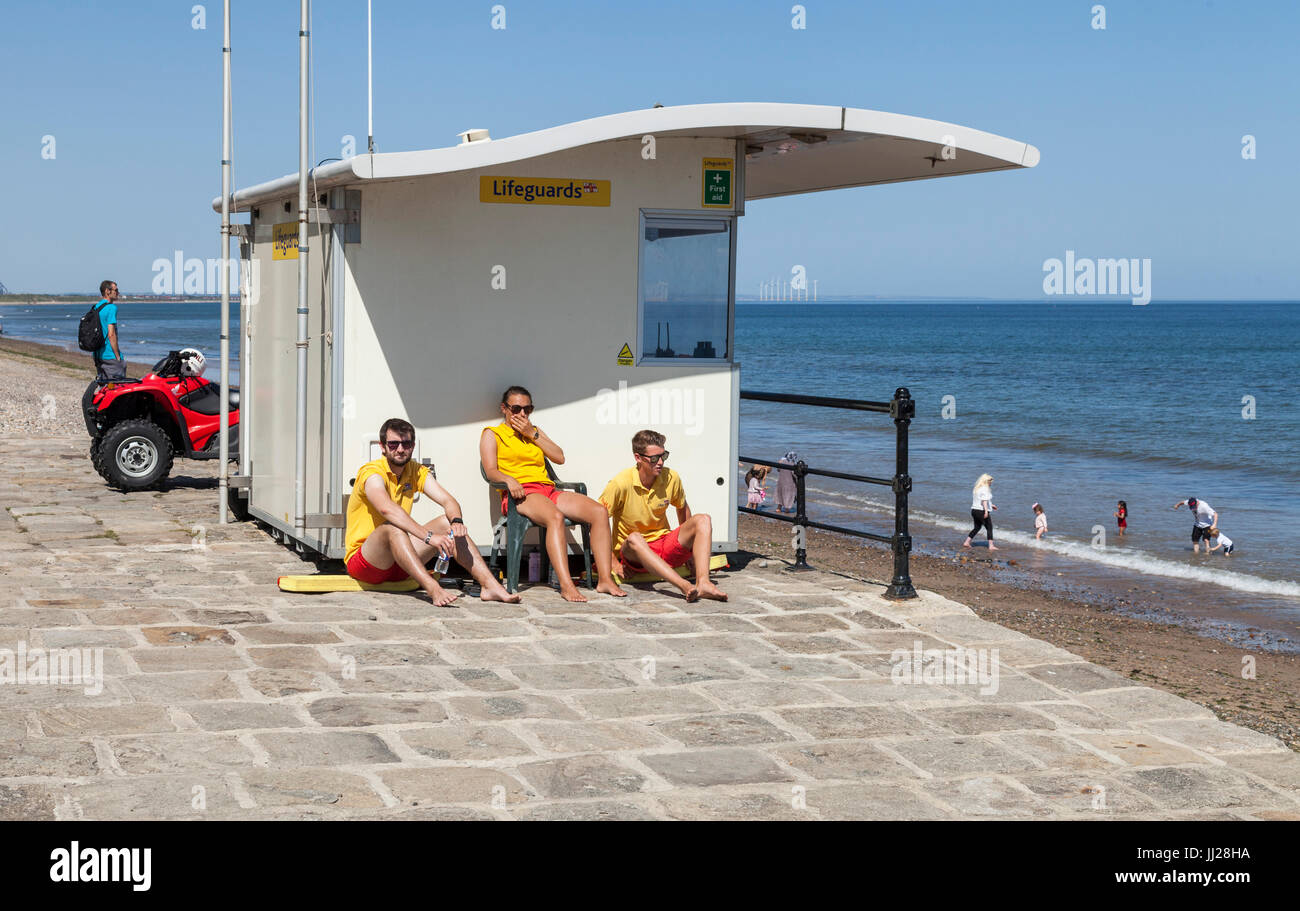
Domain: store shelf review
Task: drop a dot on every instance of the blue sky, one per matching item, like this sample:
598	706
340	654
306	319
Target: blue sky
1140	125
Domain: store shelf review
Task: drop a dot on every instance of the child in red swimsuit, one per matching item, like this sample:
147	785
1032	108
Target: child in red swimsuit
1121	516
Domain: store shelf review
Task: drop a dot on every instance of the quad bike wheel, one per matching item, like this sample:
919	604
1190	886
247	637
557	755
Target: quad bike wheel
133	455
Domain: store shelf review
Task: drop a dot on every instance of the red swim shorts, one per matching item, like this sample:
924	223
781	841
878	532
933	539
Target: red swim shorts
546	490
362	571
668	548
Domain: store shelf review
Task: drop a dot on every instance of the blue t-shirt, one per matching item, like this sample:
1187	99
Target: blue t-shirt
107	317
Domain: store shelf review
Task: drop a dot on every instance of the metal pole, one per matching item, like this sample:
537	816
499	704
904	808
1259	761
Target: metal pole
902	409
370	86
800	517
300	430
223	482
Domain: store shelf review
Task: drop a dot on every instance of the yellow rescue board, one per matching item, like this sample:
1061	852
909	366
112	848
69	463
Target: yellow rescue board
320	583
717	561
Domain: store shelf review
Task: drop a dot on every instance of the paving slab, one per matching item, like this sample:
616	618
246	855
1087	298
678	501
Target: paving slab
225	698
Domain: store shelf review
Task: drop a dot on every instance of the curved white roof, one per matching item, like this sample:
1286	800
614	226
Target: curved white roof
792	148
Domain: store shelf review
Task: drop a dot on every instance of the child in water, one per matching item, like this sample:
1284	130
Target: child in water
1221	540
1121	516
1040	521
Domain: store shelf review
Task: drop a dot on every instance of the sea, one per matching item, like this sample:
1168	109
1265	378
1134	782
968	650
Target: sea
1072	405
147	330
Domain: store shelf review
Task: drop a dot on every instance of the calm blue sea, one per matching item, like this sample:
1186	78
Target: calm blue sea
1072	405
147	331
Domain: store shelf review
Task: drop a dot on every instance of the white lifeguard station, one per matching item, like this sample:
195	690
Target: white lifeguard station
593	263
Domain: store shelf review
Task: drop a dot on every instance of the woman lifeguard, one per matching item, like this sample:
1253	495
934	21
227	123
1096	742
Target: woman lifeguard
514	453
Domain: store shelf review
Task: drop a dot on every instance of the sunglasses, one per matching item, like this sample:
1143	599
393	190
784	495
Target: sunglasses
515	409
657	457
395	445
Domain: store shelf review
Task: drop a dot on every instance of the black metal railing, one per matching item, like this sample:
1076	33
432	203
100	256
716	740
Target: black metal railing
902	409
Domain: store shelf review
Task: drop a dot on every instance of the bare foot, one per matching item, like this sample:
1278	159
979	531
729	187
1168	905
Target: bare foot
711	591
572	594
498	593
440	596
609	588
692	595
993	547
967	543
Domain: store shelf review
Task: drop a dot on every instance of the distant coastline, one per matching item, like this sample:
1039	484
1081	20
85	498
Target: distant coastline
45	300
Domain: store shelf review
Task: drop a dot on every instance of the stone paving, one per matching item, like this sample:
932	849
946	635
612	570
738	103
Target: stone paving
225	698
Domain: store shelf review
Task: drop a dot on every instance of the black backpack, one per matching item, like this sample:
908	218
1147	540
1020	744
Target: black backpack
90	334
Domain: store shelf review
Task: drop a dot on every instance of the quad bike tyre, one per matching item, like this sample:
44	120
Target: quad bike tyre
133	455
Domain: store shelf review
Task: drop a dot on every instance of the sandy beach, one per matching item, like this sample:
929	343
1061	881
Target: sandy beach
43	387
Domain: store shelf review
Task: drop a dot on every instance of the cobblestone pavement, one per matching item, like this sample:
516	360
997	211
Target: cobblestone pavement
225	698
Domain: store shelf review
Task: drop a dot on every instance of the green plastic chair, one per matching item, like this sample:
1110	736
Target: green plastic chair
516	527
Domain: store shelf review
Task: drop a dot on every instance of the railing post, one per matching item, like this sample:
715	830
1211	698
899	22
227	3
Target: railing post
800	471
902	409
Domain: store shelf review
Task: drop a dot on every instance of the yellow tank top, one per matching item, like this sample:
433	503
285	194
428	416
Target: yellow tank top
523	460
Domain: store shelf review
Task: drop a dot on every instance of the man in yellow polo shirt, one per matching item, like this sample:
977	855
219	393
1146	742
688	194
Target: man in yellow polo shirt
384	544
638	499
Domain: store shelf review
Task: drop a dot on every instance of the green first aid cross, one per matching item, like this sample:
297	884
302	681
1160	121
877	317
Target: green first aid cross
717	182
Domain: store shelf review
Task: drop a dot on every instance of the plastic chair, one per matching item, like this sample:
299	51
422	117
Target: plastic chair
516	526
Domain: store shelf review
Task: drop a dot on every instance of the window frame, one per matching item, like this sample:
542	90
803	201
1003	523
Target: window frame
727	359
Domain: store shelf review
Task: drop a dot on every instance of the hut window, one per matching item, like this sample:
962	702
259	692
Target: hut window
685	287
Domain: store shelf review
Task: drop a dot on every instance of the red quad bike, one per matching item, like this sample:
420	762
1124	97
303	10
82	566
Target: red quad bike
138	426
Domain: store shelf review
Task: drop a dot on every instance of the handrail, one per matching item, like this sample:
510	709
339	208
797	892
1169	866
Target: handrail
902	408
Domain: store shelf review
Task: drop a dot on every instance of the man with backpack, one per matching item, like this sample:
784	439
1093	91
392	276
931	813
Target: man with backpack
97	334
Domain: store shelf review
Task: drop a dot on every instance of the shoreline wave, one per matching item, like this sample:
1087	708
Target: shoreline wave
1134	560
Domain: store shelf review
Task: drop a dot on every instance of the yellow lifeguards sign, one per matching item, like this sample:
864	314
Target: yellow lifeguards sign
716	182
544	191
284	240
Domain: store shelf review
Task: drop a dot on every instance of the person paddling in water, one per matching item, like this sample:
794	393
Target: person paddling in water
981	510
514	453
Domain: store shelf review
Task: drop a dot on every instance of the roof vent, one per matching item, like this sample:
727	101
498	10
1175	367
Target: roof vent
470	136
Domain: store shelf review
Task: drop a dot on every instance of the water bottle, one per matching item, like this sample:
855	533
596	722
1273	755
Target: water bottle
534	566
443	562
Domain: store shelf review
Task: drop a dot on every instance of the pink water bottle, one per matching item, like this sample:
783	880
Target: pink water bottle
534	566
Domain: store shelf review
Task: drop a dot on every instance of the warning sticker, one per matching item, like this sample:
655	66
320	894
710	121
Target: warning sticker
625	356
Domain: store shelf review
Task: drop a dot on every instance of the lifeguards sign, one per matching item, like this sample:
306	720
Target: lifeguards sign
284	240
716	182
544	191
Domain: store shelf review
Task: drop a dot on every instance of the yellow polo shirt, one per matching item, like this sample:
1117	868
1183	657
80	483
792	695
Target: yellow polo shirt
363	518
636	507
522	459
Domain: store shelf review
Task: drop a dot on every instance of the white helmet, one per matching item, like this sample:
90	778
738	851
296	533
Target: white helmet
192	362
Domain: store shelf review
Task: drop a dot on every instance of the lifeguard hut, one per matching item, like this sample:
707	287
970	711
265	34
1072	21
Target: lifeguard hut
594	263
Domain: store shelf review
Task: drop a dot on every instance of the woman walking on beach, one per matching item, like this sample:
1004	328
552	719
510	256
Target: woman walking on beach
785	486
981	509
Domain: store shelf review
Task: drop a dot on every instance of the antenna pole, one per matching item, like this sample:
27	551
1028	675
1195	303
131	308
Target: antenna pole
370	84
